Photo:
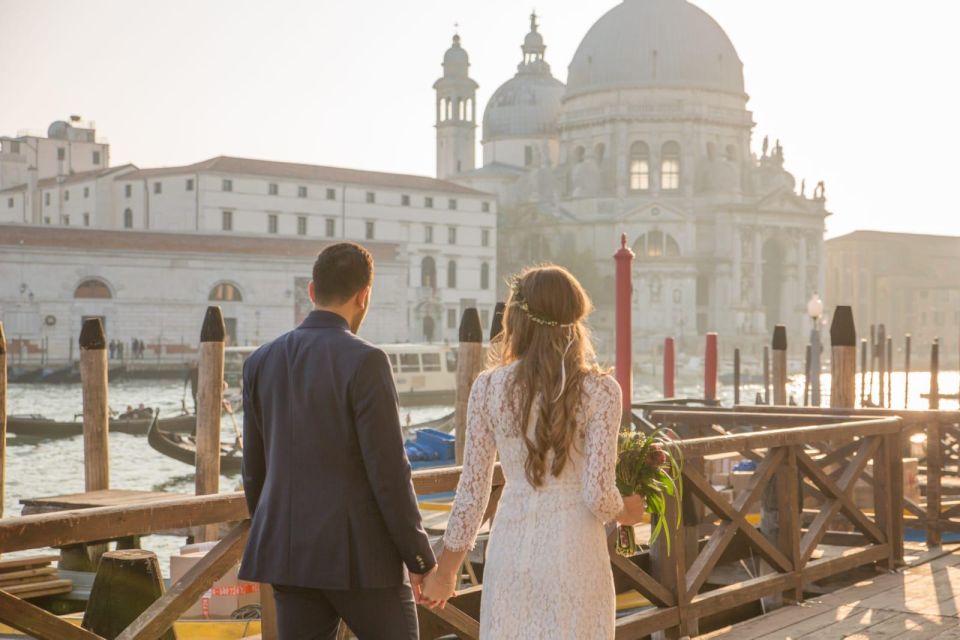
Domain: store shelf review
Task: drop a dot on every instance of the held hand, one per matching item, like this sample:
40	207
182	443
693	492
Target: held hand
438	588
634	508
416	583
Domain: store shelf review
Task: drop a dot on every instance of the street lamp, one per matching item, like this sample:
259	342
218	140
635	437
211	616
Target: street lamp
815	311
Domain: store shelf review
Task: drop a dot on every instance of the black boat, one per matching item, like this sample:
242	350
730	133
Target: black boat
40	427
184	448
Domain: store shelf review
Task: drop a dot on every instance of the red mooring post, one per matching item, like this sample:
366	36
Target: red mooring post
710	368
669	368
624	369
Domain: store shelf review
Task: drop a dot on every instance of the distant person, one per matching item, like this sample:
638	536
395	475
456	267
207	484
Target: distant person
327	481
193	379
120	350
113	348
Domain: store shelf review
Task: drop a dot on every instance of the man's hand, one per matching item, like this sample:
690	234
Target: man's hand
416	582
437	588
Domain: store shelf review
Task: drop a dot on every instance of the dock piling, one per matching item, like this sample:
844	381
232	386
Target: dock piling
889	404
806	376
623	338
935	375
96	410
469	366
906	371
736	377
863	372
843	363
779	345
710	368
126	584
209	403
766	375
881	353
669	368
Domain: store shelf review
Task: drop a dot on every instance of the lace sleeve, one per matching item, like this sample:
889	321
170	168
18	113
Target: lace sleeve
599	474
479	454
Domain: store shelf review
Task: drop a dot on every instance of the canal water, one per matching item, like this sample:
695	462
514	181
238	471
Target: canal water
38	468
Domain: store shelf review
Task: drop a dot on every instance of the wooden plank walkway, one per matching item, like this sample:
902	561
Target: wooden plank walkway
921	602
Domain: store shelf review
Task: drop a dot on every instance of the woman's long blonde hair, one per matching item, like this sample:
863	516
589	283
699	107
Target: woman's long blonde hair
545	334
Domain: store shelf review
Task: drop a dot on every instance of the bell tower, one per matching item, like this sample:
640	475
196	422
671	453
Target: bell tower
456	120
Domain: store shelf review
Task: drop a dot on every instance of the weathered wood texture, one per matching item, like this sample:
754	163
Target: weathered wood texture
779	347
127	583
843	363
96	409
210	402
469	366
38	623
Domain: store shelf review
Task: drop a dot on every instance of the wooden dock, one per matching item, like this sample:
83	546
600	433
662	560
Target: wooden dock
922	601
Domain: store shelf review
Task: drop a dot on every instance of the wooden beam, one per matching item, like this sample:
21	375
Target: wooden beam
37	623
462	624
161	615
645	623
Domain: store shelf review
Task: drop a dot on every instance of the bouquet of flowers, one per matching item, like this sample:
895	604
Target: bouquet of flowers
650	466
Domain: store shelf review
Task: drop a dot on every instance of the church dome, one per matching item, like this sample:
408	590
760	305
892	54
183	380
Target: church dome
527	104
655	43
456	62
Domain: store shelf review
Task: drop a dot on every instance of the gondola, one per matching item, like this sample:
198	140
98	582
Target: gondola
184	448
40	427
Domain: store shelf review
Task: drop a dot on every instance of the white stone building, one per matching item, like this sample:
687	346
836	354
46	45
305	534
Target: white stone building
440	240
650	136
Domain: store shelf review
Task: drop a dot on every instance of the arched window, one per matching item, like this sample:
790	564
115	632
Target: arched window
92	288
127	219
656	244
579	154
428	273
731	153
225	292
452	275
484	275
639	166
670	166
599	151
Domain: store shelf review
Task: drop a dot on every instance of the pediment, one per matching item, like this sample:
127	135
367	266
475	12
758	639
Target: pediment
654	212
783	200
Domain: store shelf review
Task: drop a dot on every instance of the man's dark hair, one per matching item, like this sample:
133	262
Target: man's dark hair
340	272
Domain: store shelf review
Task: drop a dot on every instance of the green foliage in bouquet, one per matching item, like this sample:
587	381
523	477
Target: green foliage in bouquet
650	466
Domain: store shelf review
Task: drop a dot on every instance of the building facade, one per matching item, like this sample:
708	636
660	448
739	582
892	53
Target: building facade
917	292
442	235
651	136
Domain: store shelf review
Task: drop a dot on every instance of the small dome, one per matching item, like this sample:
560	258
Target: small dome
533	43
456	62
525	105
655	43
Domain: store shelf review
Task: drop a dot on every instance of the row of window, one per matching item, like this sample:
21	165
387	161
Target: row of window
46	197
428	274
273	189
65	220
61	152
98	289
939	318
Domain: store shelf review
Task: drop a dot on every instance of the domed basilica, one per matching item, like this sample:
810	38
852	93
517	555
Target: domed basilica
650	136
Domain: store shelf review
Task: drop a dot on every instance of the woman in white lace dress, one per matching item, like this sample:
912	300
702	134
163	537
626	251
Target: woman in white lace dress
553	417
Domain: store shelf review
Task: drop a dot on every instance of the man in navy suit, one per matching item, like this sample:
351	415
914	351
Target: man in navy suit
334	513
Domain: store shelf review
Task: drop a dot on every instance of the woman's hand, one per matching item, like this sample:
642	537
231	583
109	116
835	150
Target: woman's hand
438	588
634	509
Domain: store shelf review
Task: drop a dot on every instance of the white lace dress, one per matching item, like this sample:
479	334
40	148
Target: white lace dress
547	572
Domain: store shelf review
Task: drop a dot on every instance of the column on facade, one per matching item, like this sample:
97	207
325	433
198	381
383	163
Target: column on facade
621	157
804	285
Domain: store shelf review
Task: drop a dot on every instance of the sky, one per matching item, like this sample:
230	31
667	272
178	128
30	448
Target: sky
863	94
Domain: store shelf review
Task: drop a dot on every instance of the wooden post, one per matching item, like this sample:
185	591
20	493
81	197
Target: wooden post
3	414
882	364
710	368
736	377
863	372
623	338
806	377
209	407
906	372
127	583
779	365
669	368
496	323
843	362
935	375
469	365
889	404
766	375
872	360
96	410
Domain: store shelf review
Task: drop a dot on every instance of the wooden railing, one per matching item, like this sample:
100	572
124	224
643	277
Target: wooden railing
714	531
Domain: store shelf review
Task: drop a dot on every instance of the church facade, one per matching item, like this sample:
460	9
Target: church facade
650	136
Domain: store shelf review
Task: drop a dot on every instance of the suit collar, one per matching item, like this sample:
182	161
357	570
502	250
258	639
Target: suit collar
324	320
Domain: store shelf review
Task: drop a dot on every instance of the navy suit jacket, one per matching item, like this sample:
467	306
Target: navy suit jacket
325	473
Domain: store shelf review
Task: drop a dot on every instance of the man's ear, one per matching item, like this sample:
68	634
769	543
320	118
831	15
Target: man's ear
363	297
312	292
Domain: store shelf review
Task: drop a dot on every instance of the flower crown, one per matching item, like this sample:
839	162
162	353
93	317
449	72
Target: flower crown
517	300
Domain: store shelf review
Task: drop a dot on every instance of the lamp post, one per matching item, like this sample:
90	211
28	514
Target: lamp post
815	311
